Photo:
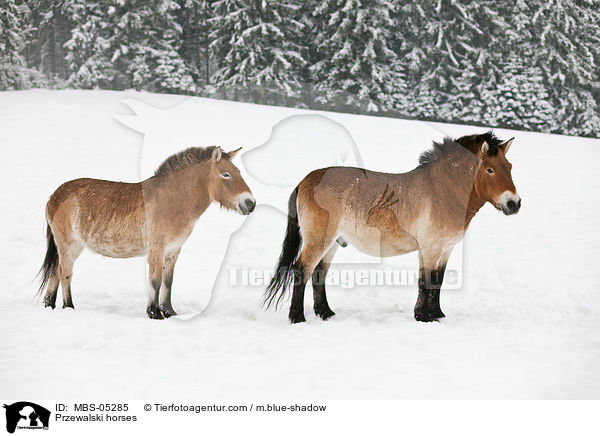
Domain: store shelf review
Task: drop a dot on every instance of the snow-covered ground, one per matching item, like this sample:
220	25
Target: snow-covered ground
524	324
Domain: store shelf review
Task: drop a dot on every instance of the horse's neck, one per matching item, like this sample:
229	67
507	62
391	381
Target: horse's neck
198	182
475	203
188	188
452	187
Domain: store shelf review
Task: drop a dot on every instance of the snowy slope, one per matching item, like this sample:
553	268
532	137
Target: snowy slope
524	323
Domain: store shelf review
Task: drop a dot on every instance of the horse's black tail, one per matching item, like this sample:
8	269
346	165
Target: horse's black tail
50	264
284	273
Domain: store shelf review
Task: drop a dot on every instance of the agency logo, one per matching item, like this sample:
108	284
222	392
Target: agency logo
26	415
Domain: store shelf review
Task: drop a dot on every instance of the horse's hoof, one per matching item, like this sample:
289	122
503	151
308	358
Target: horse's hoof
49	302
423	316
154	313
437	314
296	318
68	306
324	313
168	313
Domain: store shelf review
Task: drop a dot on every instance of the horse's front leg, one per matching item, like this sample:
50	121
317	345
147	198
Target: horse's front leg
425	298
428	307
436	311
166	307
155	267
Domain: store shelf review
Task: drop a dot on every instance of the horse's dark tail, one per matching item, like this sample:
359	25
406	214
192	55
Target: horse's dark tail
284	273
50	264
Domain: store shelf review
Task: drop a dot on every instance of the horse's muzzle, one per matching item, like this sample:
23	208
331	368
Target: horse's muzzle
246	206
511	207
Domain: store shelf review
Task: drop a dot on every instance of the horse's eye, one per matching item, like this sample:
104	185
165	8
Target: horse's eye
491	171
226	175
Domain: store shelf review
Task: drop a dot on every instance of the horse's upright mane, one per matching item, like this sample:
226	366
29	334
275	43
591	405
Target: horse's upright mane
470	142
185	158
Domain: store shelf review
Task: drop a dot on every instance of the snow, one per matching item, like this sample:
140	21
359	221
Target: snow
524	323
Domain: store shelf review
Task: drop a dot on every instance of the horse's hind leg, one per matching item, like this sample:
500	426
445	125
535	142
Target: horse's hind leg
319	230
307	261
165	294
52	290
67	255
321	307
155	266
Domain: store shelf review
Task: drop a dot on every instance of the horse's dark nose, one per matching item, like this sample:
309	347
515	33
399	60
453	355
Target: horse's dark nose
513	206
250	205
247	205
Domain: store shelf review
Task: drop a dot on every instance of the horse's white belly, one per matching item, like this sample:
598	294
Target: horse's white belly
372	241
122	244
118	252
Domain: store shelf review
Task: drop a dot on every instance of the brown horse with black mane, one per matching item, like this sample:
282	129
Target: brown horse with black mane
153	217
427	210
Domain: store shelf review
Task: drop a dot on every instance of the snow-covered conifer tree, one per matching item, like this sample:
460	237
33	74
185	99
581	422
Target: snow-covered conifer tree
193	16
50	29
124	44
256	50
354	65
566	48
86	57
13	71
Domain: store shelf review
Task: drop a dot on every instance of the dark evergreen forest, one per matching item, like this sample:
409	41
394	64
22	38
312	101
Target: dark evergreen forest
526	64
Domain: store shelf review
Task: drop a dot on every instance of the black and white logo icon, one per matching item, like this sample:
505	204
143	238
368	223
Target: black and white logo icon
26	415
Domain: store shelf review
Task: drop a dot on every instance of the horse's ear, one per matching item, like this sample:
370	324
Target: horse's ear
231	154
484	148
504	147
217	154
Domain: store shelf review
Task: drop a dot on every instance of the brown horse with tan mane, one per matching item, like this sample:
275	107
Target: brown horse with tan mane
153	217
427	210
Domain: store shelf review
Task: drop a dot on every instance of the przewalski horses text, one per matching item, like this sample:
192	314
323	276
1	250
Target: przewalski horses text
153	217
427	210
